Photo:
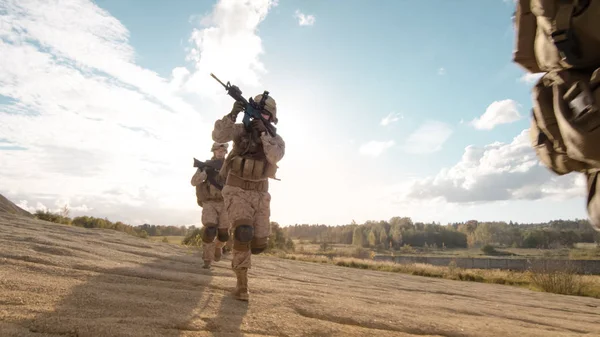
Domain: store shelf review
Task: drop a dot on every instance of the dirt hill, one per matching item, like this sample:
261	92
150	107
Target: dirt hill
7	206
57	280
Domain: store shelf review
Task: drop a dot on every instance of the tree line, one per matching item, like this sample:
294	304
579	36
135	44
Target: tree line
89	222
400	231
85	221
391	234
278	240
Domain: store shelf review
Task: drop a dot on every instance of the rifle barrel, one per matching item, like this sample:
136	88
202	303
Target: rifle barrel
215	77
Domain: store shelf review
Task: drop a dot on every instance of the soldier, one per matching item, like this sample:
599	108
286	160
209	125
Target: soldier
253	159
562	40
214	219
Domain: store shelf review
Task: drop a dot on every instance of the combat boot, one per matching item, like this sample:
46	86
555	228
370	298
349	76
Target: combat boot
206	265
241	290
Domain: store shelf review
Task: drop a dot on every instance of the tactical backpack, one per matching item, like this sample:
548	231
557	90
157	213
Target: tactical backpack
562	39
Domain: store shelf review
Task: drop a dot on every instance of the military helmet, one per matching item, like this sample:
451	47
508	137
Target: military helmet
216	146
270	106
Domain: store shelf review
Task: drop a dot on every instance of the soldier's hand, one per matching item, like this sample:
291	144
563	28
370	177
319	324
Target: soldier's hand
236	109
258	125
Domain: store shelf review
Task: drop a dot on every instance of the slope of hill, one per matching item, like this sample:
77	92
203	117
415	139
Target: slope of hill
57	280
7	206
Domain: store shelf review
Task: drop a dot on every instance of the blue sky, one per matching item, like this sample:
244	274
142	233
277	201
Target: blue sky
124	86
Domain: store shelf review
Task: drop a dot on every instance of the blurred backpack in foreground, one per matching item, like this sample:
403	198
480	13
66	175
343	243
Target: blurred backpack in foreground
561	38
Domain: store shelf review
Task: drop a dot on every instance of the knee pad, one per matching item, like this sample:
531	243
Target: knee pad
223	235
242	236
210	233
258	245
243	233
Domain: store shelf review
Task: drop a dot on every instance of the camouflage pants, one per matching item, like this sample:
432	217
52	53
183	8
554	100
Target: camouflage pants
213	215
593	200
247	208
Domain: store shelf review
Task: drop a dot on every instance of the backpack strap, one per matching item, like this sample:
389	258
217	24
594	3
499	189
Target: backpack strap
561	33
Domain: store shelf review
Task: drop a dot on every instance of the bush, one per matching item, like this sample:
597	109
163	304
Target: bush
289	245
278	241
142	234
52	217
488	250
361	253
193	238
557	280
407	249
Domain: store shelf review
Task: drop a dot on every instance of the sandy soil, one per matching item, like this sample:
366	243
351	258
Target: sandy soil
58	280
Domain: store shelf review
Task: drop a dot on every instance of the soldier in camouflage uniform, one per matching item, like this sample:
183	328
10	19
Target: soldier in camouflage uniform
214	219
252	161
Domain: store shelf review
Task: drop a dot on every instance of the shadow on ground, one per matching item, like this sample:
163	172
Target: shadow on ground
105	284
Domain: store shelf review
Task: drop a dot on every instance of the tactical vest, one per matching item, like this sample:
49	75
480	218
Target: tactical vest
246	165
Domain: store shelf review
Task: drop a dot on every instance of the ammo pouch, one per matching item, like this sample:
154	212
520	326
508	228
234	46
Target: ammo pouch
546	132
557	34
206	192
250	173
201	194
567	33
575	110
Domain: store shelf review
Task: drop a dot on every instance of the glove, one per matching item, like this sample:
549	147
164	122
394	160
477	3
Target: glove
198	177
258	125
237	108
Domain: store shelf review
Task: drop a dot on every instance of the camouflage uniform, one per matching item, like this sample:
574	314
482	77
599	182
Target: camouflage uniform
214	219
247	200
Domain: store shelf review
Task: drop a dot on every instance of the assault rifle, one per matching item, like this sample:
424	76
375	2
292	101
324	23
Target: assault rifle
252	109
212	168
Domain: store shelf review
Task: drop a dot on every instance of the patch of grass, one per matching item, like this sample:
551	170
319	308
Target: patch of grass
167	239
564	281
585	285
585	253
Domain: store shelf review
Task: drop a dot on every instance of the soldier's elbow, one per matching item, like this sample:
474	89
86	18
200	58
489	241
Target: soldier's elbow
217	137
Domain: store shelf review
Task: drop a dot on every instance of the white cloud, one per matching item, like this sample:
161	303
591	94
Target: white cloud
442	71
58	203
391	118
228	47
96	130
82	35
304	20
375	148
497	172
428	138
531	78
499	112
